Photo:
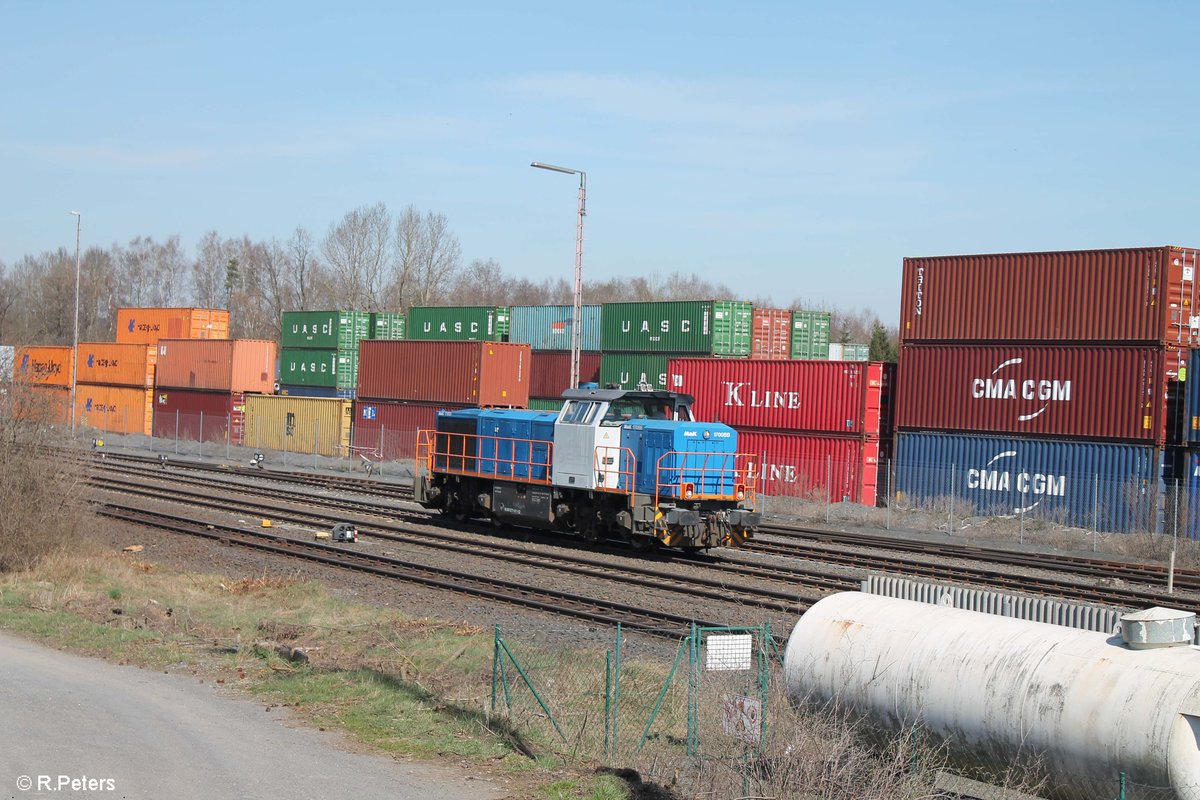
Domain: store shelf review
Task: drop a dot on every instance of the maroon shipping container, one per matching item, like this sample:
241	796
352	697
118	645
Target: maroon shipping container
1098	391
463	373
842	397
814	467
771	334
387	429
550	372
1137	295
199	416
217	365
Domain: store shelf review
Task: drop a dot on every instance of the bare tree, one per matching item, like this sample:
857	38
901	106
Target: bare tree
358	251
304	270
209	270
427	257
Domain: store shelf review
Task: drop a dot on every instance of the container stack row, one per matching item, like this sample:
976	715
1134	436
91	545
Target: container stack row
1042	383
817	428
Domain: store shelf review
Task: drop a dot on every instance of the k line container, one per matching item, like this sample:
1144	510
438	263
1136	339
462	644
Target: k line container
116	364
814	466
701	327
810	335
464	373
388	325
458	323
227	365
815	396
333	369
118	409
549	327
772	333
299	424
632	370
1143	294
1097	392
325	330
387	429
1104	485
550	372
148	325
199	416
43	366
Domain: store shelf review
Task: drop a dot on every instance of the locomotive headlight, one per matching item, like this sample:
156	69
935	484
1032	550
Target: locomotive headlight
689	491
706	434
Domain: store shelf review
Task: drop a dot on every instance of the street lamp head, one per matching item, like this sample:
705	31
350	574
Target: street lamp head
553	168
74	213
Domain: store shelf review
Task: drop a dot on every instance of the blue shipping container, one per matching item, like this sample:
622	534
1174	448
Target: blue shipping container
1185	469
549	327
1191	381
1112	487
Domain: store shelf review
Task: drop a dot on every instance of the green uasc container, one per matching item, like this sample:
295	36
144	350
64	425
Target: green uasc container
458	323
325	330
388	325
694	327
631	370
810	335
545	404
329	368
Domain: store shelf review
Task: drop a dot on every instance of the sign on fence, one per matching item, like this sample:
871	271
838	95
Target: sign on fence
743	717
729	652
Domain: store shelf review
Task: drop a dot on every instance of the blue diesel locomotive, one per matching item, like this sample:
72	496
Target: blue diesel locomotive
612	463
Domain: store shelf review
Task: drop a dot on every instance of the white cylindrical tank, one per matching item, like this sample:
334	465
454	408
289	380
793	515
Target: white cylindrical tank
1000	689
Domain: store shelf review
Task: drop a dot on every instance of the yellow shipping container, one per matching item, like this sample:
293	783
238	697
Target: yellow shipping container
118	409
299	424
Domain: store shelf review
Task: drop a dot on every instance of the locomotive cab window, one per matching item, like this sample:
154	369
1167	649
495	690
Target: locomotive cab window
579	412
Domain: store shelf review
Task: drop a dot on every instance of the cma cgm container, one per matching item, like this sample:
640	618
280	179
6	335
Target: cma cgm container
1100	391
199	416
701	327
550	372
771	336
817	396
43	366
468	373
388	325
148	325
116	364
1143	294
333	369
325	330
633	370
229	365
1104	485
458	323
387	429
119	409
810	335
298	424
813	466
549	327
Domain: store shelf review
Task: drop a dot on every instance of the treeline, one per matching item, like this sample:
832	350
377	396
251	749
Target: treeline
370	259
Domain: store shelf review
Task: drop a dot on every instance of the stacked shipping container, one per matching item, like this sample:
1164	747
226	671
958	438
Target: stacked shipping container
816	426
115	386
1068	355
201	386
42	382
320	352
547	330
458	323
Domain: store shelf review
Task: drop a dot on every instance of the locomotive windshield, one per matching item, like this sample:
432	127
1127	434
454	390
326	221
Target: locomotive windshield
627	408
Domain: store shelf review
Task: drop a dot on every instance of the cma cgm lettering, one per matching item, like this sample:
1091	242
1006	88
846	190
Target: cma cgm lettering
1106	484
1084	391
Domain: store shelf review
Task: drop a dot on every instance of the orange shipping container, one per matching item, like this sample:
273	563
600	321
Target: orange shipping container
42	405
229	365
116	364
120	409
149	325
44	366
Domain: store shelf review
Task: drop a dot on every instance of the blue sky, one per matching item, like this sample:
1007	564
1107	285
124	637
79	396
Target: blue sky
790	150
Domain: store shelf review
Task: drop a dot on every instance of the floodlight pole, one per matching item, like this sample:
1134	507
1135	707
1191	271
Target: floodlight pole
75	337
577	299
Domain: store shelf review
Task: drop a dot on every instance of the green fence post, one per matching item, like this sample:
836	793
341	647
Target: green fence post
616	704
536	696
495	665
685	644
1122	795
693	726
764	680
607	705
